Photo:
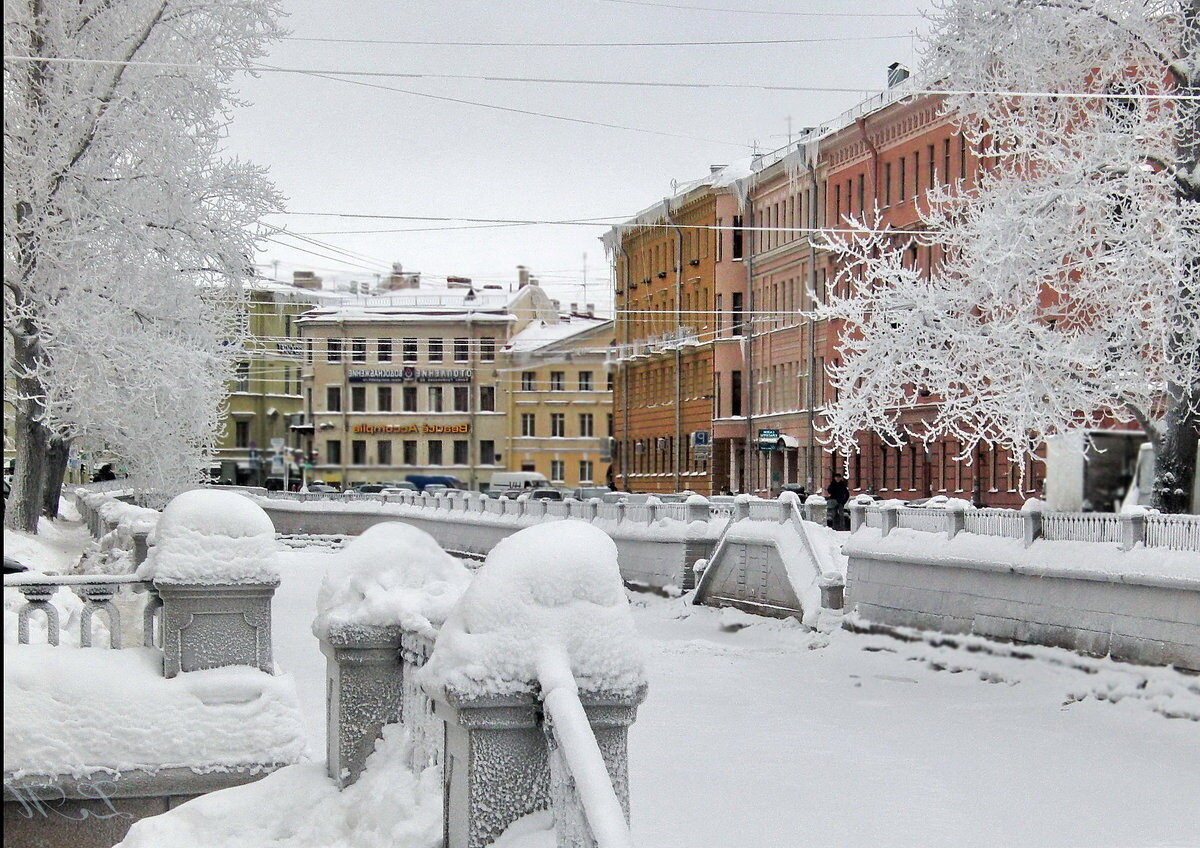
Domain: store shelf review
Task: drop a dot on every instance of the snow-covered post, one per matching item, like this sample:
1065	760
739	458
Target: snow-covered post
213	565
741	508
1031	523
1133	529
589	508
858	516
538	674
955	517
890	513
141	547
698	508
377	614
816	510
534	509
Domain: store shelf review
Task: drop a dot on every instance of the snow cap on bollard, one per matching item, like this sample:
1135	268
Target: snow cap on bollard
212	537
393	574
548	589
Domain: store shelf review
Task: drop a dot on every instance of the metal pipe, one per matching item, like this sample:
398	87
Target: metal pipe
675	458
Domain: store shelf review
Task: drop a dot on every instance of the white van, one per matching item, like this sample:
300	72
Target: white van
504	480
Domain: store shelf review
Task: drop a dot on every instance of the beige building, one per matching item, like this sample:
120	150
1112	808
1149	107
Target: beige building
409	382
560	399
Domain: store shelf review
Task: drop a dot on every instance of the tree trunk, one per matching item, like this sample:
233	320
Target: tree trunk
56	468
1175	460
31	441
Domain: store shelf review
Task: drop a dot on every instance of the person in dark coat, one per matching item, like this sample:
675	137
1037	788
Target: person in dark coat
839	493
105	473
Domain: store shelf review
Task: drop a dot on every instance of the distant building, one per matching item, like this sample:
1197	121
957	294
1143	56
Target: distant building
556	382
410	381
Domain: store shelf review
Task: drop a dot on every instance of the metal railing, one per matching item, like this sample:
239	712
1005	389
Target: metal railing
994	522
1175	532
1081	527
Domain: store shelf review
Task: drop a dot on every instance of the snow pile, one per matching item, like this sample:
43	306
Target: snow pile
300	807
817	500
210	537
548	590
392	574
80	711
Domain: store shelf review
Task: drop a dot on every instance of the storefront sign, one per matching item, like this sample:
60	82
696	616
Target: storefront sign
768	439
412	429
409	374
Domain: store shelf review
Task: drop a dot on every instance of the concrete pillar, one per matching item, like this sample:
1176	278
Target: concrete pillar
363	693
858	516
891	518
1031	526
956	520
1133	529
818	513
741	508
141	547
212	626
697	509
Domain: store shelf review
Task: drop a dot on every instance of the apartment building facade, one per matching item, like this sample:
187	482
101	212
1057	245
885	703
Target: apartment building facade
410	383
559	390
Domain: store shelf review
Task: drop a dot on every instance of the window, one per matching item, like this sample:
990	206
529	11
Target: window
610	382
462	350
558	424
585	381
946	160
242	377
487	398
556	470
528	424
862	197
385	350
435	350
737	237
528	380
528	466
903	179
333	398
241	434
735	310
735	393
409	350
358	350
408	398
358	398
462	398
887	183
487	452
384	449
358	452
556	381
487	349
586	424
462	454
585	471
931	165
610	424
333	451
383	398
333	350
410	452
435	399
720	234
435	452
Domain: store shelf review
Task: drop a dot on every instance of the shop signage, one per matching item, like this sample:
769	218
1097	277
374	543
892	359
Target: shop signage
768	439
290	349
412	429
409	375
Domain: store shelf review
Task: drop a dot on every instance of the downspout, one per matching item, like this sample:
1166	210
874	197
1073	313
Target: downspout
810	469
675	458
749	245
624	364
861	123
473	435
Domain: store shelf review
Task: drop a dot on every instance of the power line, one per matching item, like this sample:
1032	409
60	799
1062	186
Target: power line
573	44
767	11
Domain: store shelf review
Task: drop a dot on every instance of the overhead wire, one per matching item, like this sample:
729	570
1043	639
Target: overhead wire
855	14
596	44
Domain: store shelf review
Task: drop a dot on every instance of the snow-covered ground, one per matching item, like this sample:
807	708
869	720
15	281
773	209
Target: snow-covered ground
772	735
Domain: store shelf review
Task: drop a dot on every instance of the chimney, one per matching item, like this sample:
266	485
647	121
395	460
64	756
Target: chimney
400	279
458	282
896	74
533	281
305	280
574	308
557	306
591	310
712	169
522	277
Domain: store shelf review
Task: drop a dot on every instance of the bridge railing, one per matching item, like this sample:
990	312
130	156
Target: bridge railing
99	593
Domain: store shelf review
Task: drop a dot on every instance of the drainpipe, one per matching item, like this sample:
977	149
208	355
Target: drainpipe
749	245
675	458
810	470
473	391
624	365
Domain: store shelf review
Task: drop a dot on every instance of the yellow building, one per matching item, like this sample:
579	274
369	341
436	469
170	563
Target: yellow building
266	396
408	382
560	396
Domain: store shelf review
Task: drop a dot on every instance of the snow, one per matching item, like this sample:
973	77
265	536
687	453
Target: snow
1083	560
54	550
540	334
548	588
392	574
209	537
79	711
299	807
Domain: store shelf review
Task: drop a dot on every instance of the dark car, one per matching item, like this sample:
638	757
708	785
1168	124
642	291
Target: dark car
512	494
546	495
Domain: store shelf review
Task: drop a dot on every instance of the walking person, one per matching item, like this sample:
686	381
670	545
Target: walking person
839	493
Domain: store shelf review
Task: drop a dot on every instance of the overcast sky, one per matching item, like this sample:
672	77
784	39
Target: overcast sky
334	146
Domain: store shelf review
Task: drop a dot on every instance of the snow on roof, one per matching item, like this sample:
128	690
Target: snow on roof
539	334
428	303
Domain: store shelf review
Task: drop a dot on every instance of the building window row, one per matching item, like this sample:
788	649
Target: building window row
530	382
435	349
435	452
436	397
558	425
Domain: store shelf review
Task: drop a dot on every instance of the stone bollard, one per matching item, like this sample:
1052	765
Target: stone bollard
589	509
833	590
212	626
1133	529
534	509
653	512
956	520
858	516
817	511
891	518
1031	526
497	759
741	508
697	508
363	693
141	546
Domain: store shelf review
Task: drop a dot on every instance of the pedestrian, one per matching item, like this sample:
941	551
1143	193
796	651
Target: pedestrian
105	473
839	493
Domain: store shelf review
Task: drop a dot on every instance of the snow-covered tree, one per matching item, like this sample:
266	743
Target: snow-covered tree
1067	290
126	231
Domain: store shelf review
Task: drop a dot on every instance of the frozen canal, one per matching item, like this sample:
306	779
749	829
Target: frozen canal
771	736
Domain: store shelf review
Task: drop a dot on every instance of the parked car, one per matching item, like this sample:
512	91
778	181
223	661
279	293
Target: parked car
586	493
512	494
321	488
614	497
394	490
546	495
526	480
402	485
434	488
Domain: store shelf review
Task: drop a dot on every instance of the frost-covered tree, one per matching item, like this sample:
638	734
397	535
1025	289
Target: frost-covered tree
126	231
1067	291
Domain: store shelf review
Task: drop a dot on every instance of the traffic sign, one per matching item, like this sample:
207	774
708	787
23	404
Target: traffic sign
277	443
